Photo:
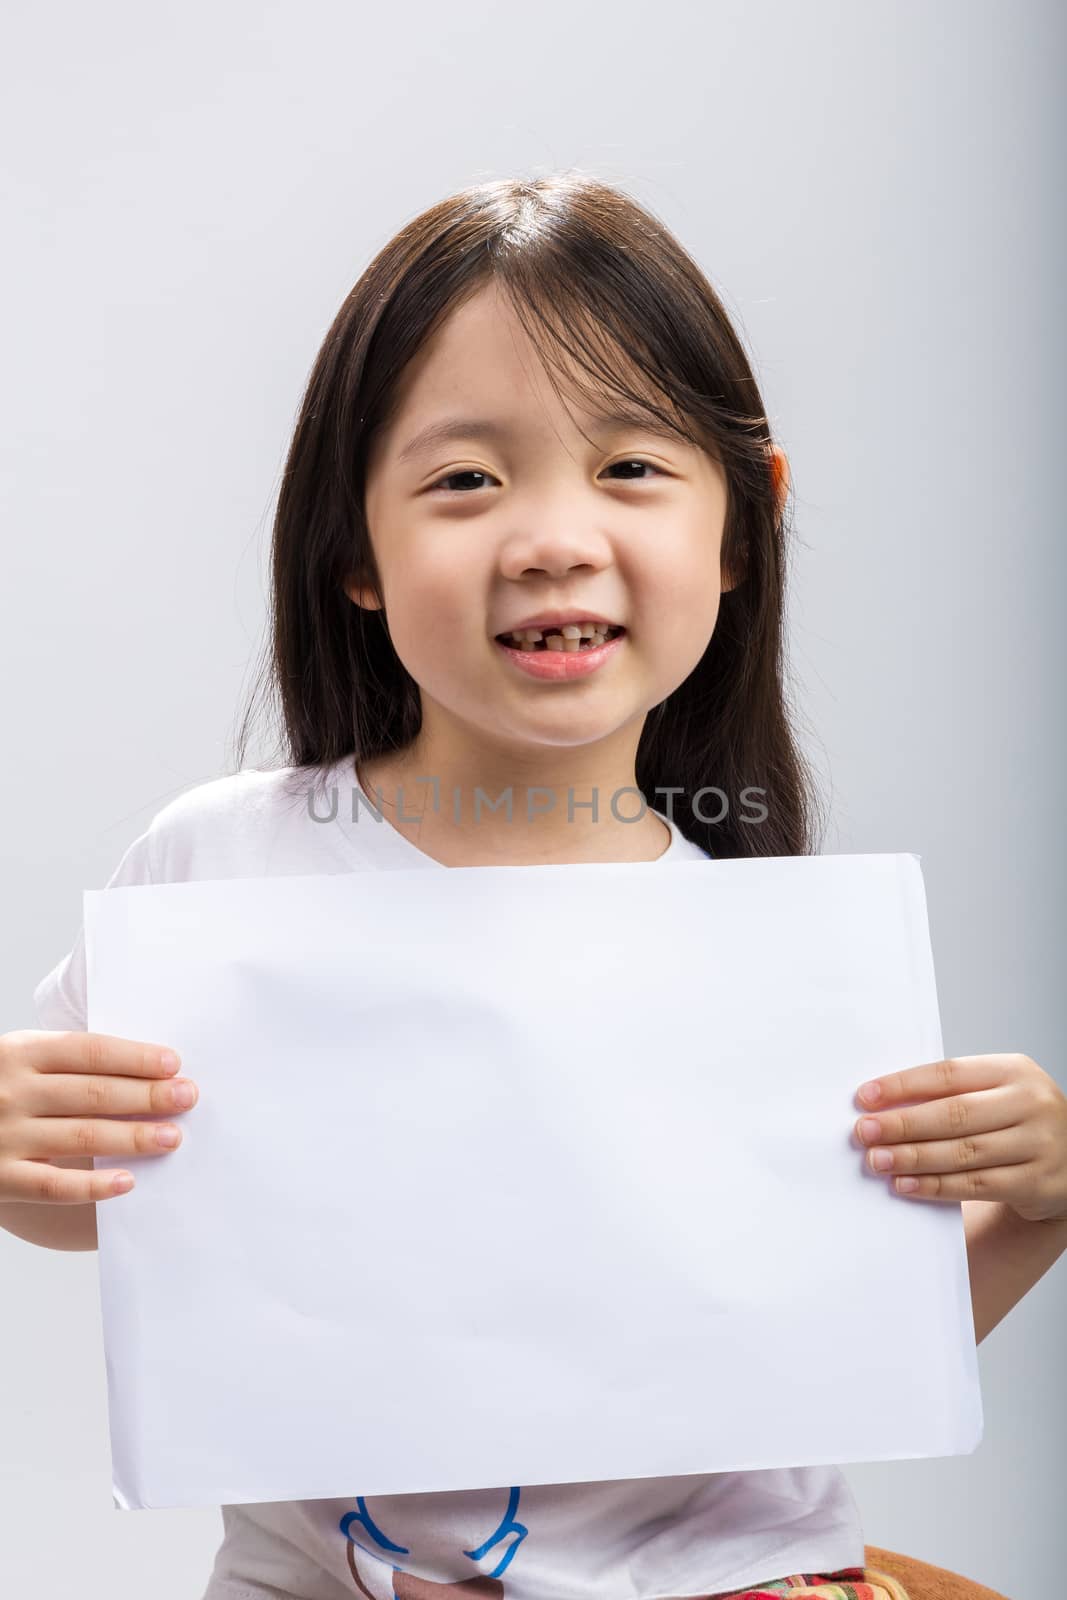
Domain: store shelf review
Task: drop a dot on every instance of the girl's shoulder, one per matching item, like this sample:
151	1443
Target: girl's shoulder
249	823
253	789
253	823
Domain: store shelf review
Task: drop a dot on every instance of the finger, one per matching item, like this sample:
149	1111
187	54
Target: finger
981	1112
937	1079
55	1094
1006	1147
41	1137
39	1181
102	1053
983	1183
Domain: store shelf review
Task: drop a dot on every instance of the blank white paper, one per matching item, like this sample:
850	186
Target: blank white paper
524	1175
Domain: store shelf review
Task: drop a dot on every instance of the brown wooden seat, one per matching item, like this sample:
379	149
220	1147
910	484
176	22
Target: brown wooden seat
926	1582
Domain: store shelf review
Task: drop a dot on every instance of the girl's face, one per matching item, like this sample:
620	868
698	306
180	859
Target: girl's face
474	533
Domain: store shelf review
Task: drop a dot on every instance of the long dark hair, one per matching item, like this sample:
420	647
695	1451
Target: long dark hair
591	273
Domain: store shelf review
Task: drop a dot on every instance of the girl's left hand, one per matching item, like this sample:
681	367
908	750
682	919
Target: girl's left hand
991	1128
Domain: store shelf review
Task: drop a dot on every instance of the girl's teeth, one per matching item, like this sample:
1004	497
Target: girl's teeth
569	637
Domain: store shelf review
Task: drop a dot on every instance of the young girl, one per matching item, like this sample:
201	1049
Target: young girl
530	539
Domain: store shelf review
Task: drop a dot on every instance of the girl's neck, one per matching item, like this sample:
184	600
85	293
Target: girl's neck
446	822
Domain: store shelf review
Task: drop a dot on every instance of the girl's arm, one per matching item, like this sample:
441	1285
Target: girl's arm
1013	1145
56	1227
1005	1257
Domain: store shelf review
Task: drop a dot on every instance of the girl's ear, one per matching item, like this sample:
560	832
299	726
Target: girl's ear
361	594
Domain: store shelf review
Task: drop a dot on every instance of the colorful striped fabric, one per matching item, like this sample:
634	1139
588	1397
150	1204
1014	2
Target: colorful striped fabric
848	1583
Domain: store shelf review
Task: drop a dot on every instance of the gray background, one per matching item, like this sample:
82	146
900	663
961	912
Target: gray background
876	192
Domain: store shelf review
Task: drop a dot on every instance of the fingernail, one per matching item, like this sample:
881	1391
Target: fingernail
881	1160
168	1136
870	1129
184	1093
169	1061
871	1092
907	1185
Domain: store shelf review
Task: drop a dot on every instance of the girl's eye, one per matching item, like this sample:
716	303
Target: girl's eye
476	472
466	472
635	461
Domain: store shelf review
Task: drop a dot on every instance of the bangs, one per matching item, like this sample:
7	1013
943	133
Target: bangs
590	356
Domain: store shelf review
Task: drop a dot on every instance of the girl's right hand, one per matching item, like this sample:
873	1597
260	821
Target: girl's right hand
78	1095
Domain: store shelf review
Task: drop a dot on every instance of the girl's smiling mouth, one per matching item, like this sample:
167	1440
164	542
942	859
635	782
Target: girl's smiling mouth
553	653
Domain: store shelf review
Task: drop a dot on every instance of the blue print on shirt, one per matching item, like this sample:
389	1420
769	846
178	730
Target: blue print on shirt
384	1546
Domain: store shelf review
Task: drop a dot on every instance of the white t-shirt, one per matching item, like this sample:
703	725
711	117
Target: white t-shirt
626	1539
